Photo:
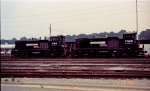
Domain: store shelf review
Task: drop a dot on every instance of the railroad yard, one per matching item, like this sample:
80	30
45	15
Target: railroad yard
75	68
80	74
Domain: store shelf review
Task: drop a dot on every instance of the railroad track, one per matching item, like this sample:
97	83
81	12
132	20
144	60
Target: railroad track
86	68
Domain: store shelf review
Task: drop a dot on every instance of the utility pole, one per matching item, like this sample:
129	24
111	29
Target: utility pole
136	19
50	32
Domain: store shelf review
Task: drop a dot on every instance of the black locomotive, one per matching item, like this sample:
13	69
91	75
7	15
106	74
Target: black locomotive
111	46
55	47
82	47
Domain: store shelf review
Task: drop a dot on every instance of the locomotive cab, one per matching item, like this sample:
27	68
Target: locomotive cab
131	45
57	46
57	41
130	38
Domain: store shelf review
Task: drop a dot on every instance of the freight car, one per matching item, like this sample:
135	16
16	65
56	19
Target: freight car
101	47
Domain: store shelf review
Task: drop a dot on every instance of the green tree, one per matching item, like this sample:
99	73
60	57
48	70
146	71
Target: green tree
144	35
121	32
23	38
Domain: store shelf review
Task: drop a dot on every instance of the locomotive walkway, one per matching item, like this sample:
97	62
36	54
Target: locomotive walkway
75	68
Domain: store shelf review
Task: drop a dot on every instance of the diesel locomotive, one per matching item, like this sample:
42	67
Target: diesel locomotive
56	46
128	46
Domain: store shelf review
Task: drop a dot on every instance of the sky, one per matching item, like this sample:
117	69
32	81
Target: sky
32	18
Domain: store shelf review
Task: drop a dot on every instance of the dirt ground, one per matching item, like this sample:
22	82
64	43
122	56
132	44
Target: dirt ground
56	84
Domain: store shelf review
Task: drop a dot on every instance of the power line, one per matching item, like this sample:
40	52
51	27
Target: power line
78	19
102	11
56	30
72	10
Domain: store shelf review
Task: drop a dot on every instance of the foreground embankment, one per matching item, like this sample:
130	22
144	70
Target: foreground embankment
55	84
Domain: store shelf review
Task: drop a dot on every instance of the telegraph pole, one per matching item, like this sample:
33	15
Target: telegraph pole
50	32
136	19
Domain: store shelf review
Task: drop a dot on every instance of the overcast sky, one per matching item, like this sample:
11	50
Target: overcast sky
31	18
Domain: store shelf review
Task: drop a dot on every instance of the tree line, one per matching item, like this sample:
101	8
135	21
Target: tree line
144	35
